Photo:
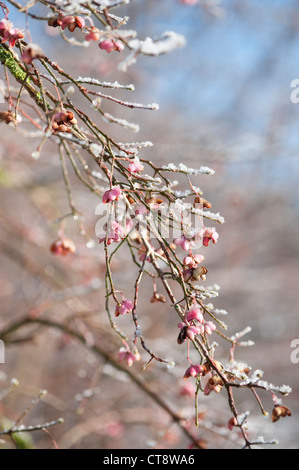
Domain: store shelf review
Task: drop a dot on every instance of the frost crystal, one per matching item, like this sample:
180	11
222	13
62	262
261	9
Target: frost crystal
122	122
209	215
203	170
96	149
166	43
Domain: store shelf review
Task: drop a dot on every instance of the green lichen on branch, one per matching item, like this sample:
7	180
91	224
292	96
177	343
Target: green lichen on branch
12	64
17	70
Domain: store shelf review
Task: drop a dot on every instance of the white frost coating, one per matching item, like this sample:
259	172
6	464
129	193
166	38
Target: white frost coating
77	6
122	122
246	344
204	170
94	81
151	178
283	389
96	149
35	155
188	192
242	418
261	440
241	333
206	292
182	206
170	364
166	43
125	33
209	215
112	3
147	143
220	311
237	368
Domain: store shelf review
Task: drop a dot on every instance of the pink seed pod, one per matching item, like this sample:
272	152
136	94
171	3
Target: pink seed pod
192	331
194	371
31	52
209	234
67	22
112	194
195	314
136	166
93	35
110	45
128	356
63	247
107	45
79	22
124	307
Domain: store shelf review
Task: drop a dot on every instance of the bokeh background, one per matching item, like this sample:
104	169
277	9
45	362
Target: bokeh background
225	102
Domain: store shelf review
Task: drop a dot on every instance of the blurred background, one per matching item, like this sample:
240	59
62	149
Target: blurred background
225	102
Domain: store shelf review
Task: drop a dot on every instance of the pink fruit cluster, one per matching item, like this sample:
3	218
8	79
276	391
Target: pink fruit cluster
9	33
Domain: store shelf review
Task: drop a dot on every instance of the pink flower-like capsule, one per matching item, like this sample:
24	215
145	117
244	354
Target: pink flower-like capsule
124	307
209	234
31	52
193	261
280	411
80	22
127	356
184	243
63	247
209	327
194	371
232	423
194	314
5	24
187	274
116	233
93	35
140	209
72	22
192	331
6	27
112	194
214	384
67	21
9	33
135	166
110	45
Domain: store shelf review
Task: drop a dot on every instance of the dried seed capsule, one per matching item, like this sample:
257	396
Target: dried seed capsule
62	128
158	298
182	335
79	22
199	273
70	115
200	200
280	411
72	27
7	117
